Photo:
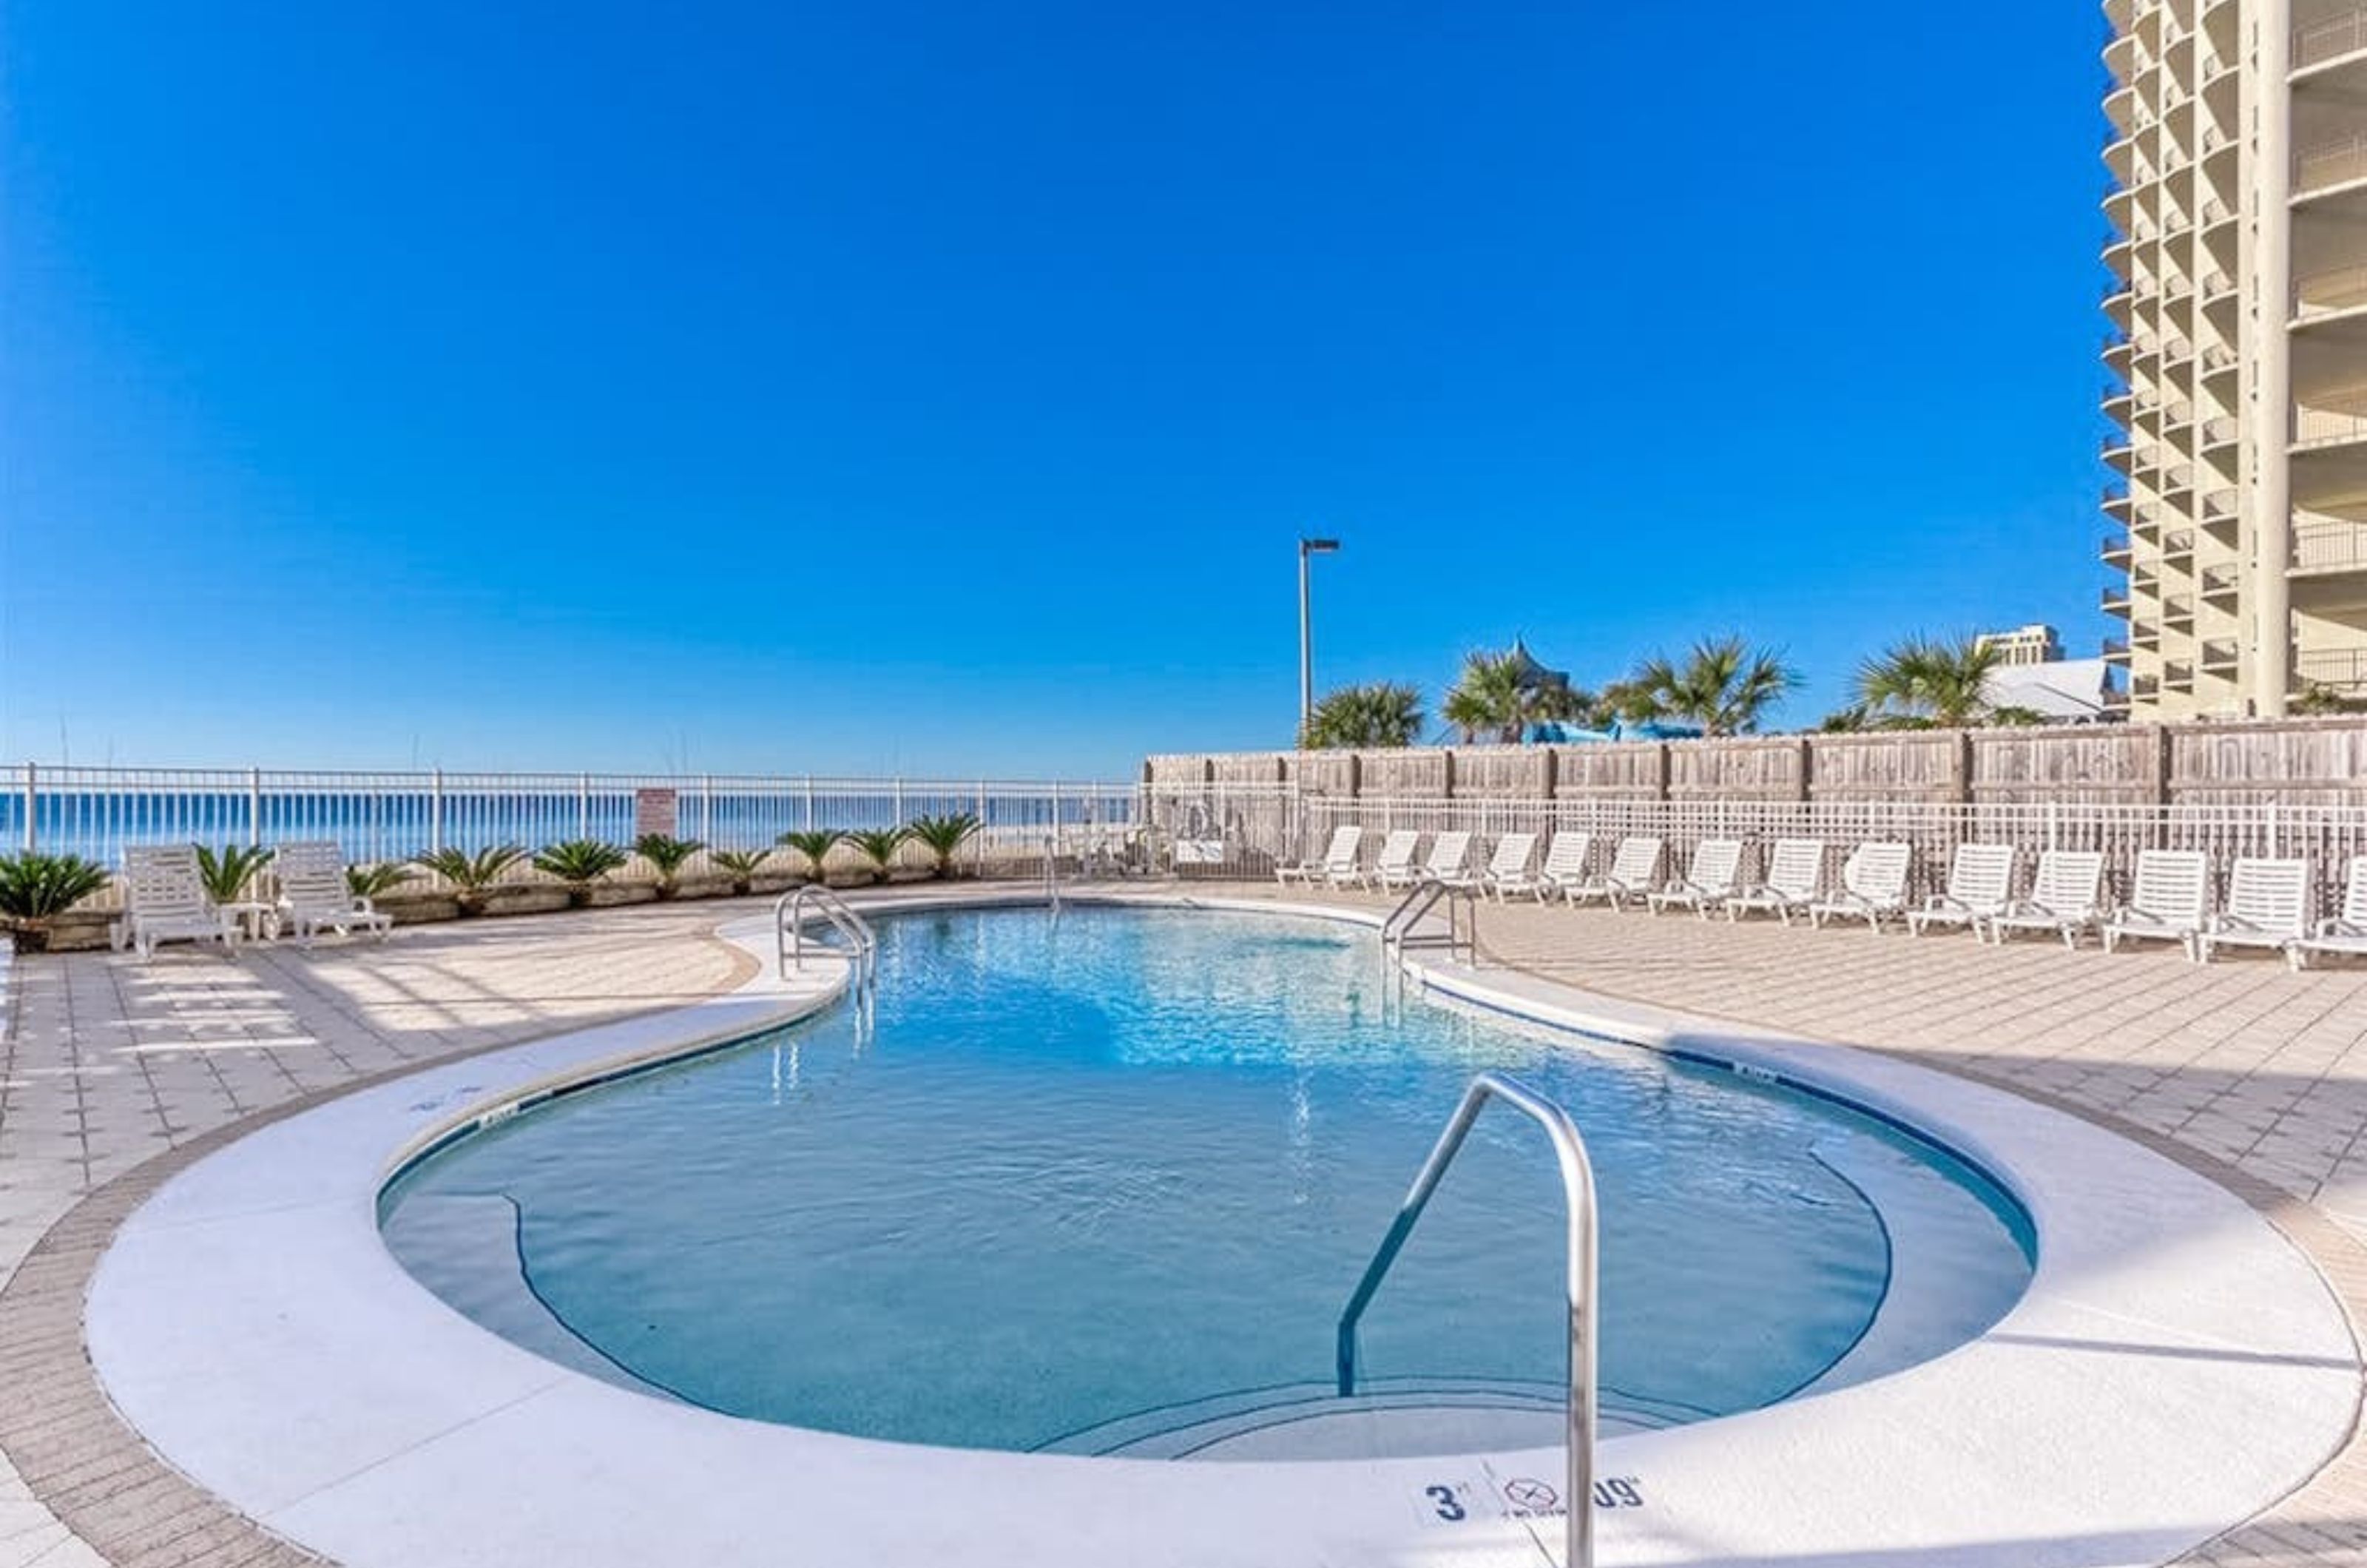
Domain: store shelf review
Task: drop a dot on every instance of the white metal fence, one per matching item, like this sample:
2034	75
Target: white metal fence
97	812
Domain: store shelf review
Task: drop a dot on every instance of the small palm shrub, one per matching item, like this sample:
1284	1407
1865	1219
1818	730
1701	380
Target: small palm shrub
743	866
370	880
815	845
35	890
472	877
944	836
227	872
580	862
669	855
878	845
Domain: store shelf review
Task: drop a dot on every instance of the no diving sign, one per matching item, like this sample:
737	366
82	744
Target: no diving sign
1512	1496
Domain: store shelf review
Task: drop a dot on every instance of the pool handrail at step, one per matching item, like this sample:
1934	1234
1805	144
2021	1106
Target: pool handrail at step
1578	1188
1397	931
789	940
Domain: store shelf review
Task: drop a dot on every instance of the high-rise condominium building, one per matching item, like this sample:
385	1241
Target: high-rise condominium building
2238	351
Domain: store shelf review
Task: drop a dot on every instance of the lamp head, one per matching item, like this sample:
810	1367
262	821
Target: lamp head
1318	547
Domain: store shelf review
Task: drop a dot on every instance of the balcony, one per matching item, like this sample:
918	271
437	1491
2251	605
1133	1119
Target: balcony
2328	545
2220	583
2178	675
2330	427
2116	551
2178	613
2330	293
2330	39
2117	451
2339	669
2217	357
2115	602
2116	700
2178	545
2177	479
2218	431
2217	285
2116	651
2219	506
2124	57
2116	500
2330	164
2219	657
2145	685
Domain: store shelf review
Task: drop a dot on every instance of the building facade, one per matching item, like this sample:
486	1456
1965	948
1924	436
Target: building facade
2237	355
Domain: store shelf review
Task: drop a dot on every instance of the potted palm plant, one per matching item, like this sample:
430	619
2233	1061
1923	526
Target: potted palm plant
471	877
878	845
743	866
36	889
815	845
667	856
580	862
942	836
227	872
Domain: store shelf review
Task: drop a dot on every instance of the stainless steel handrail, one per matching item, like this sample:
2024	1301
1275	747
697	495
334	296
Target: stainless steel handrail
1578	1187
789	940
1398	929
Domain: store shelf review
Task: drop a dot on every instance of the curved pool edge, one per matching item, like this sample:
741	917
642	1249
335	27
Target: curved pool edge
2148	1392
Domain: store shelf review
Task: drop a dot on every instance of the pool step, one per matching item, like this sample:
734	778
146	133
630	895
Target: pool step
1399	1417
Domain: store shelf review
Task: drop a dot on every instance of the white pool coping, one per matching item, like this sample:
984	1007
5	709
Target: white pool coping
2175	1367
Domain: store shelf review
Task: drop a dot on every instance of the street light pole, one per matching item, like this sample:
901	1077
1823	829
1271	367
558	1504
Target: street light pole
1308	548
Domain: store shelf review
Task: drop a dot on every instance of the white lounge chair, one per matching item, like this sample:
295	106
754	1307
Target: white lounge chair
1633	866
2065	897
1709	880
2268	906
1874	886
1508	864
164	900
313	897
1980	884
1449	860
2174	886
1565	863
1337	864
1394	868
1796	874
2342	933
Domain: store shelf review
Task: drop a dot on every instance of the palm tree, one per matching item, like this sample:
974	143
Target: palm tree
1487	700
1724	685
370	880
227	872
36	888
1378	714
580	862
815	845
1928	682
878	845
471	875
743	866
668	855
944	836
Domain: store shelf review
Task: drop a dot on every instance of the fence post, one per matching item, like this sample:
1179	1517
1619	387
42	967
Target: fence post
583	806
707	808
900	800
32	798
809	825
436	812
253	807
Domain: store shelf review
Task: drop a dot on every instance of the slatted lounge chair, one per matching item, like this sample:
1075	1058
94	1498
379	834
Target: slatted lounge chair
2342	933
1449	860
1980	884
2268	906
1565	863
313	897
1796	874
1508	864
1874	886
2065	897
164	900
2172	887
1337	864
1708	881
1395	866
1633	866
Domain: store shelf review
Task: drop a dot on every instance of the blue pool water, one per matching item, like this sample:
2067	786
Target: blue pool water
1127	1161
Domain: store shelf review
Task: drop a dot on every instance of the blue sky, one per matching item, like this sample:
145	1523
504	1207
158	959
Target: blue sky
941	387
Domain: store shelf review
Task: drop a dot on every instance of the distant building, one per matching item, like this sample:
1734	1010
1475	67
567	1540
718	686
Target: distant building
2033	644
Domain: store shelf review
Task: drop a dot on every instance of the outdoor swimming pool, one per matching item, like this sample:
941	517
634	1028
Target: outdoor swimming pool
1100	1183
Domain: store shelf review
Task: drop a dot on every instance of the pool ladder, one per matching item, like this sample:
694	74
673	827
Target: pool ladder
789	934
1462	923
1578	1188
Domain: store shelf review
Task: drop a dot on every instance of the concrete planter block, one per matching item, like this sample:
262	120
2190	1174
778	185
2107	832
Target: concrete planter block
525	898
606	894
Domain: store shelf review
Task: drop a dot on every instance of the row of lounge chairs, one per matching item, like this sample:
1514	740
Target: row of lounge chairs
164	900
2267	904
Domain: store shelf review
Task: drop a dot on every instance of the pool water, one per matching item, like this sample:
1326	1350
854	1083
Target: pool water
1081	1167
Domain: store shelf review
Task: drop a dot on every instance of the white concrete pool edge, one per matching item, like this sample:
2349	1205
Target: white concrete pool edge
2175	1367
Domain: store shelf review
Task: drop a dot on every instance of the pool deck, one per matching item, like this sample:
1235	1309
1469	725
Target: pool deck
114	1075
